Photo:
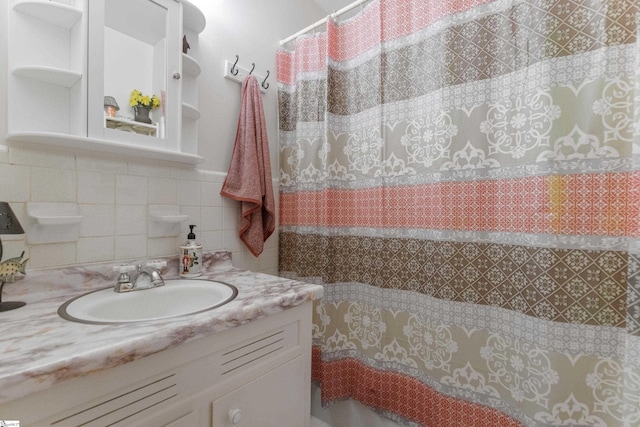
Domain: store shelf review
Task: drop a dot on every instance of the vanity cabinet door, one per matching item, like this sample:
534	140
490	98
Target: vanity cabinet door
278	398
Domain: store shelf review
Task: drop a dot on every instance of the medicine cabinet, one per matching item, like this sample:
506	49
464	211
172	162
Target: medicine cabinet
66	56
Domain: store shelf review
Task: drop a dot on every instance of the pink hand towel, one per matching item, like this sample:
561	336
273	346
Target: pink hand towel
249	176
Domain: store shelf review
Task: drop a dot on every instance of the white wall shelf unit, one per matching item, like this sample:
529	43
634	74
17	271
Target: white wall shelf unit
194	23
56	89
47	63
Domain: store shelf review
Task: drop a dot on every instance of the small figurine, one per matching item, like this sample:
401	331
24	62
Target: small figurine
185	44
11	267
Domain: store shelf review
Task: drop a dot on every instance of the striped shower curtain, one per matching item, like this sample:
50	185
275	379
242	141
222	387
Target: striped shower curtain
463	177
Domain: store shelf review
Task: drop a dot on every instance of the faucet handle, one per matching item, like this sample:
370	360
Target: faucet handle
124	281
157	264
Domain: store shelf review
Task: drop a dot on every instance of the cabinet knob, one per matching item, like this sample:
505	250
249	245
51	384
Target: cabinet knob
176	75
235	415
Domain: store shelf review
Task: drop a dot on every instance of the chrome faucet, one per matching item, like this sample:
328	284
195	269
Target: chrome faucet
142	277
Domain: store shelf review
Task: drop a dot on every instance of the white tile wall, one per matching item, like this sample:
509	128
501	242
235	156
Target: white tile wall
94	249
163	191
52	185
189	193
98	220
113	196
127	247
17	187
131	220
131	190
96	187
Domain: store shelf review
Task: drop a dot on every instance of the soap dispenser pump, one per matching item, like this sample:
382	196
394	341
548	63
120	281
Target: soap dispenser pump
191	256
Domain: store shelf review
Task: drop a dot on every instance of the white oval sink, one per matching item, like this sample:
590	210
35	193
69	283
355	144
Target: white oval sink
177	297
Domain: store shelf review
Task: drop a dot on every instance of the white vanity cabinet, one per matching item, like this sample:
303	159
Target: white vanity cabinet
256	375
65	56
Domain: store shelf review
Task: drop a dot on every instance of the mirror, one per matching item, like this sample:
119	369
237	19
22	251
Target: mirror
135	57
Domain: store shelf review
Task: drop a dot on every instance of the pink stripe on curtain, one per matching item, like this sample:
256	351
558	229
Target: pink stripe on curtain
585	204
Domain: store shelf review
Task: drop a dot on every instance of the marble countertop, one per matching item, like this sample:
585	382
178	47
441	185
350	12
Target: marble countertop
39	349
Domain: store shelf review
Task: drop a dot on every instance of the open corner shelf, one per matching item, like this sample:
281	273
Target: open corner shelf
55	13
190	112
190	66
52	75
193	18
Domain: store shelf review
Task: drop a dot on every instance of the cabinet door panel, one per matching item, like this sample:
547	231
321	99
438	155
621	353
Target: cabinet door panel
277	399
135	45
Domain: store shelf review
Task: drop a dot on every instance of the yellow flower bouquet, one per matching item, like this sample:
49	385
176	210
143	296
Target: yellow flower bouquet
137	99
142	105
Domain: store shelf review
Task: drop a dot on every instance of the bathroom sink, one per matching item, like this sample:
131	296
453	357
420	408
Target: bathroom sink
177	297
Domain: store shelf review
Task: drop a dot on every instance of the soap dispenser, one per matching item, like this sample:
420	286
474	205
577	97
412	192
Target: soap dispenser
191	256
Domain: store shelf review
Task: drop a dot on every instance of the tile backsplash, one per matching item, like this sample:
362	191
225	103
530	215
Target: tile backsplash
113	196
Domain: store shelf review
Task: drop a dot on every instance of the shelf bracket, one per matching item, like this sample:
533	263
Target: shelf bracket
53	222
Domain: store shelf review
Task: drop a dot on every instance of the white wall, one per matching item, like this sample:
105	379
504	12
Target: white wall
113	193
252	30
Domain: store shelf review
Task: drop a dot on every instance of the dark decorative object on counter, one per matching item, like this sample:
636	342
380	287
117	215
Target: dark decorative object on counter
9	224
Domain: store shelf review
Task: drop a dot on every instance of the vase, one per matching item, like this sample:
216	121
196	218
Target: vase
141	114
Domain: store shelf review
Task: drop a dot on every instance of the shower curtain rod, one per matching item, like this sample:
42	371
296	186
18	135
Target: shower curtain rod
345	9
